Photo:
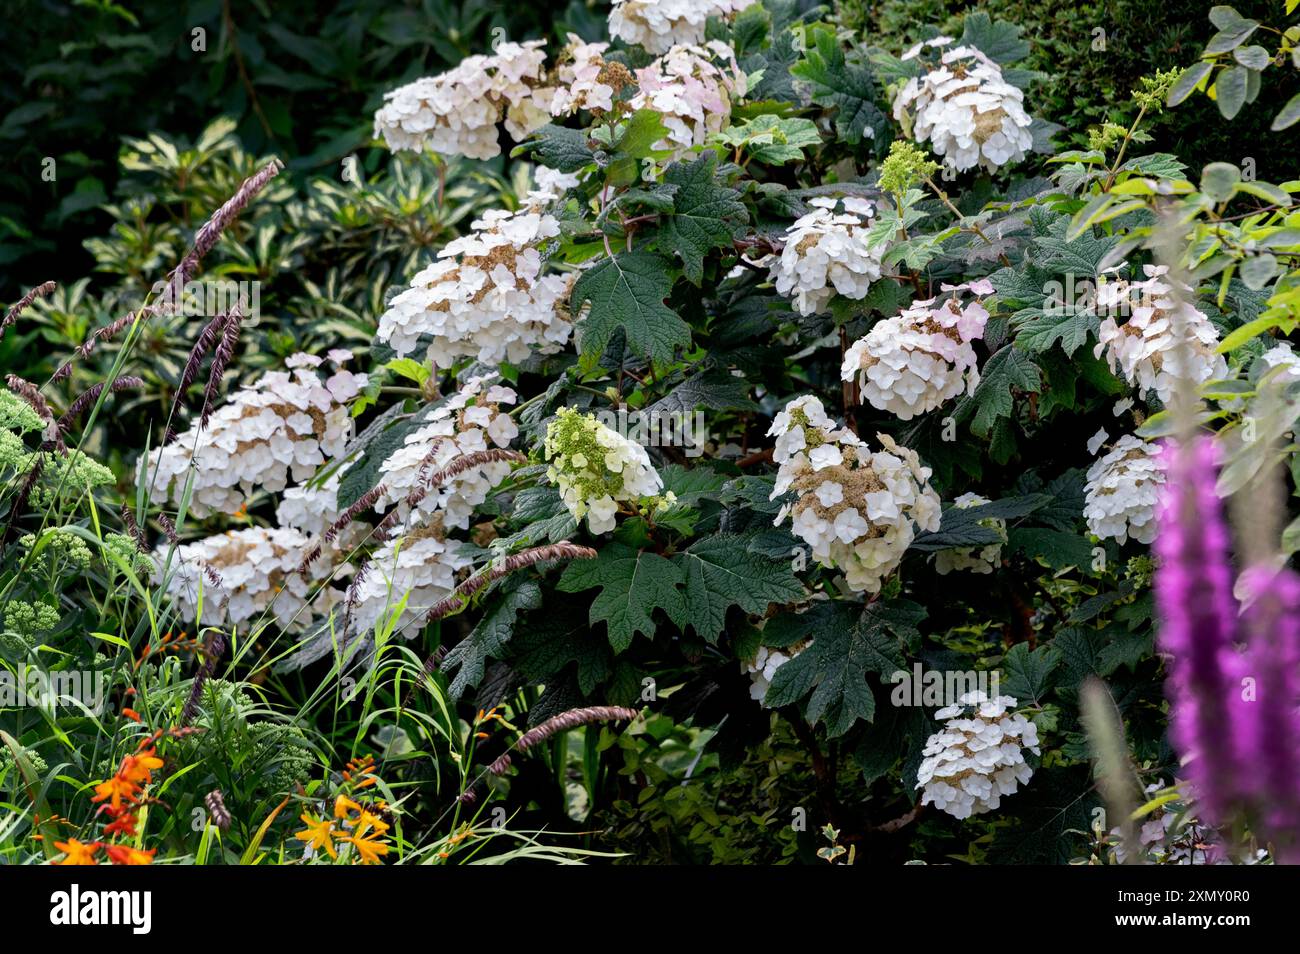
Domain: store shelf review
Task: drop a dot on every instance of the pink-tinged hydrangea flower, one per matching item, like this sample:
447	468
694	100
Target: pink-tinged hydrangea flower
916	361
248	575
456	113
967	111
858	510
278	429
584	82
1122	490
660	24
691	87
469	421
828	252
977	757
1164	340
487	296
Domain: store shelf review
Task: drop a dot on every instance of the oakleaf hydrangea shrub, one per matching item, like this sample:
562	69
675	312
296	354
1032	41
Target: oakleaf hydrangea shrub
797	388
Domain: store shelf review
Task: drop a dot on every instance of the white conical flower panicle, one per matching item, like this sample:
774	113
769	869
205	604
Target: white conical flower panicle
828	252
486	297
419	568
456	113
966	110
467	422
1119	499
596	468
691	88
857	509
247	575
1164	340
977	757
660	24
983	559
764	665
916	361
279	429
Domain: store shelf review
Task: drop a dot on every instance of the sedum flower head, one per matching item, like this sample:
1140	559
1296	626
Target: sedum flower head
1122	490
827	253
857	509
977	757
596	468
966	110
916	361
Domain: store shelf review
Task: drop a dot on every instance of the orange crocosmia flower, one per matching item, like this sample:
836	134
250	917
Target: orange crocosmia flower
123	824
369	820
318	834
343	805
369	848
126	855
116	791
77	853
139	768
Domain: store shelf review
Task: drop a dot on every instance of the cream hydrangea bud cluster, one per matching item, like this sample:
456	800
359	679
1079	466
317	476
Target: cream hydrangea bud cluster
857	509
421	568
827	253
1119	498
691	87
468	421
456	112
977	757
914	362
258	573
966	110
596	468
976	559
660	24
1165	339
280	428
764	665
486	297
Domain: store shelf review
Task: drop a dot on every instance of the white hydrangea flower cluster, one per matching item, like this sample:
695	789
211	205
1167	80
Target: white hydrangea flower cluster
486	297
916	361
595	468
1281	356
660	24
420	567
966	110
1165	339
312	507
258	569
456	112
977	757
468	421
978	560
586	81
691	87
280	428
764	665
1122	490
827	253
857	509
